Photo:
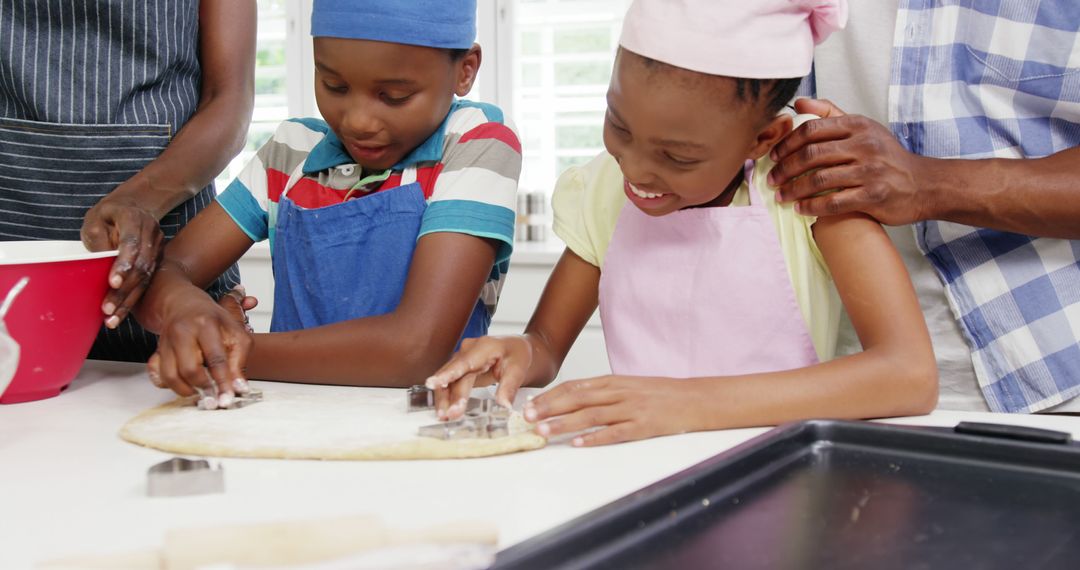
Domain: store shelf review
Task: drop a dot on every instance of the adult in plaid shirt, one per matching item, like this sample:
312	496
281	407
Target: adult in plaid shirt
981	157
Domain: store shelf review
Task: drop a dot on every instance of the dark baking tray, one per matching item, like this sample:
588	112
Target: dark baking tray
837	495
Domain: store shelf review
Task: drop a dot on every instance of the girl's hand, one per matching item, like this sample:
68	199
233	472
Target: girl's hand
481	362
203	348
627	408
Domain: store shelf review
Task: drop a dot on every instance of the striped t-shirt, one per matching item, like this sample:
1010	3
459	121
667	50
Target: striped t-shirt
468	170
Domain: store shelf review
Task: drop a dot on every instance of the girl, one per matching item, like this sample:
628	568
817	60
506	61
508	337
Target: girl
719	306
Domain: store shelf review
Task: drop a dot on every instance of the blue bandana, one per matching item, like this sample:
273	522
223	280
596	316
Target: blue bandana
449	24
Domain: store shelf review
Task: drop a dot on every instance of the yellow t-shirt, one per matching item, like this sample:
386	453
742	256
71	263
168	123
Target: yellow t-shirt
588	199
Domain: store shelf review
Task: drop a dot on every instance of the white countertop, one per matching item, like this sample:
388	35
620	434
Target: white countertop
70	486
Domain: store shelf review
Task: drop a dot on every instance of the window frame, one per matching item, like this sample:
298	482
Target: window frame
494	24
495	82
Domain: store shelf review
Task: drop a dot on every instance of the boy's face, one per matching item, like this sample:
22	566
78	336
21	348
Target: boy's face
384	99
679	137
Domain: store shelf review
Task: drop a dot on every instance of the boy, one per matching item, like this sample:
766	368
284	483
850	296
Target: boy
390	222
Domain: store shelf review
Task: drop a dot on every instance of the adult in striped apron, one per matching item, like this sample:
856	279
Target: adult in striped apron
92	93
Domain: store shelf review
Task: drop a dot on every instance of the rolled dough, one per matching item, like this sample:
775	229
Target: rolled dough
299	421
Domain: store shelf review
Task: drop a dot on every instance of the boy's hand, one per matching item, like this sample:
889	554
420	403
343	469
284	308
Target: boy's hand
481	362
237	302
204	349
626	407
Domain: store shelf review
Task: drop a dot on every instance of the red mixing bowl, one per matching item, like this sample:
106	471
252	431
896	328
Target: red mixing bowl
56	316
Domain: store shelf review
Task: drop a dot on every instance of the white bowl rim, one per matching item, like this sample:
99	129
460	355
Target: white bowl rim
52	258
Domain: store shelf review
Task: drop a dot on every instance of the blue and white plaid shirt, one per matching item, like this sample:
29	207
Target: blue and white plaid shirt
998	78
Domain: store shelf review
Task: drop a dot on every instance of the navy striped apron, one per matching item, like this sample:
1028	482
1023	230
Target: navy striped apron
90	92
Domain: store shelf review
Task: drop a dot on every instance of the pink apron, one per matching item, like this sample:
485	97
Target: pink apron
700	292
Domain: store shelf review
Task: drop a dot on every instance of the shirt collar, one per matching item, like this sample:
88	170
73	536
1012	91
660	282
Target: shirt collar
329	152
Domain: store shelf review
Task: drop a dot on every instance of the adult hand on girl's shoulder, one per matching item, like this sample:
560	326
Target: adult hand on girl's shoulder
203	346
481	362
849	163
626	408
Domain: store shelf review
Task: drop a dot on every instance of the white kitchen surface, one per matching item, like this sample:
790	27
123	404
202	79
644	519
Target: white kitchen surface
70	486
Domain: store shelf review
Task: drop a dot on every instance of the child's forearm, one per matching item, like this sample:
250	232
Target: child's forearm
374	351
202	251
544	365
570	298
865	385
169	282
383	350
397	349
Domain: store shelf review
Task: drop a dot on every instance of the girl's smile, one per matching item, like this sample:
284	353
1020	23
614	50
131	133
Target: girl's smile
681	138
648	200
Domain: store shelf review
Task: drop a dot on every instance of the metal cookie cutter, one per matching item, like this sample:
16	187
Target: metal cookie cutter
180	477
484	418
253	396
420	398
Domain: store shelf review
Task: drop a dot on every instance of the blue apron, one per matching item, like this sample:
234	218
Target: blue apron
90	93
348	260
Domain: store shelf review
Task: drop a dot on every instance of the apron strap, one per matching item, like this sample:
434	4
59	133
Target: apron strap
748	177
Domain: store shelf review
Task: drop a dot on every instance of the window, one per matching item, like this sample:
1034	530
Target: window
546	63
283	75
562	56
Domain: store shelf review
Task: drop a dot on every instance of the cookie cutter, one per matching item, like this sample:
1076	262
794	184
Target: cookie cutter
478	427
420	398
180	477
484	418
253	396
